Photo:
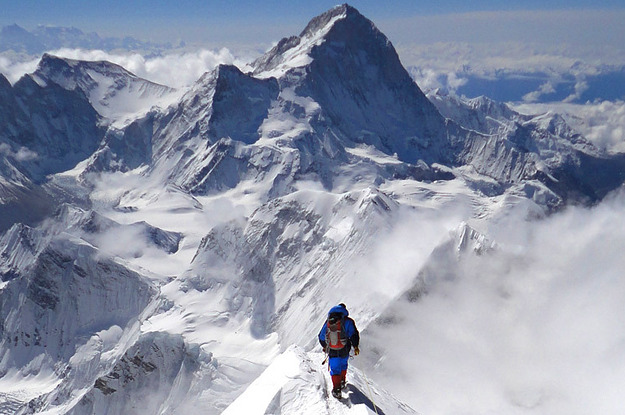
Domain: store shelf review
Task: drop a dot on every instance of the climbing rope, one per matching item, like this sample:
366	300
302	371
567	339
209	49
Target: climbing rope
351	356
370	394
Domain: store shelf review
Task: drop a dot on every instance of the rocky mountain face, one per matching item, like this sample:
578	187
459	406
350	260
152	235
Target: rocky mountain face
44	129
516	147
186	246
351	89
49	129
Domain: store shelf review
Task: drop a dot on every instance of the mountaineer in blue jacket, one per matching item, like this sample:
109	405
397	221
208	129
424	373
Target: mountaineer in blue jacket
337	336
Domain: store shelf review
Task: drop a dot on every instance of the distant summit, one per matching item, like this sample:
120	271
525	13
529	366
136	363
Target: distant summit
45	38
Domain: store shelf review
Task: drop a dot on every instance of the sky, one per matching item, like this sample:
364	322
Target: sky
227	22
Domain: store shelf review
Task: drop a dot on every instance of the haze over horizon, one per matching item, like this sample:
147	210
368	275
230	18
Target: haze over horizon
224	24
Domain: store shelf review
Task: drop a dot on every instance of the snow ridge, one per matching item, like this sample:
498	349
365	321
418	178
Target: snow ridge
116	94
295	383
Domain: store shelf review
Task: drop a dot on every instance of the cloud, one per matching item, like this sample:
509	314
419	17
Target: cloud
534	327
175	69
499	45
14	68
493	58
22	154
596	32
429	79
581	86
546	88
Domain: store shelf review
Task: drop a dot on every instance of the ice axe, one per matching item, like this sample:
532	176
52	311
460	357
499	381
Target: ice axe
327	356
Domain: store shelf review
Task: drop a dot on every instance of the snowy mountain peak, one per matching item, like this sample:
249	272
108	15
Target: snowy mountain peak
56	65
115	93
320	22
354	74
45	38
340	24
14	37
223	228
12	30
346	22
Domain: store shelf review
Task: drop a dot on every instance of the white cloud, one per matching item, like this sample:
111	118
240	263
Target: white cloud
580	87
491	59
429	79
454	81
595	33
176	69
535	328
13	68
557	46
22	154
546	88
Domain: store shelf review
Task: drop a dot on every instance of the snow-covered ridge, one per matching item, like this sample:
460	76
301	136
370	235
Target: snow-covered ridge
46	129
118	95
295	383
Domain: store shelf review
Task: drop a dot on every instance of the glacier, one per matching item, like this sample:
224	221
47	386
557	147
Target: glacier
168	251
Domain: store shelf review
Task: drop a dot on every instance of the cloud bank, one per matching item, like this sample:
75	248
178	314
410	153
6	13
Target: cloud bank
175	69
539	56
535	327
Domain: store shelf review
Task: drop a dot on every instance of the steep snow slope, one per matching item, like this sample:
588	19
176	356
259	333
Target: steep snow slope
64	315
43	130
319	114
23	203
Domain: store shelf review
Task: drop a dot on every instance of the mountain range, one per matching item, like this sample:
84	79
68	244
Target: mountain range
176	250
45	38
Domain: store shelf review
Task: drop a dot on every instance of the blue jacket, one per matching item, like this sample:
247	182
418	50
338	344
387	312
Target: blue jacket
350	331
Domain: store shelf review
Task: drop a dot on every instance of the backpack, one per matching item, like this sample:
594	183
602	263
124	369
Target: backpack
335	332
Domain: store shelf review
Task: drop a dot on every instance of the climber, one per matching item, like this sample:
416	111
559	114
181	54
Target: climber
337	336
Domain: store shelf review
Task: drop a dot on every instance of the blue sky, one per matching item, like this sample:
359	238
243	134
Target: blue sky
240	21
98	11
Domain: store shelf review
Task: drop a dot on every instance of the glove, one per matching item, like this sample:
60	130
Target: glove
356	351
